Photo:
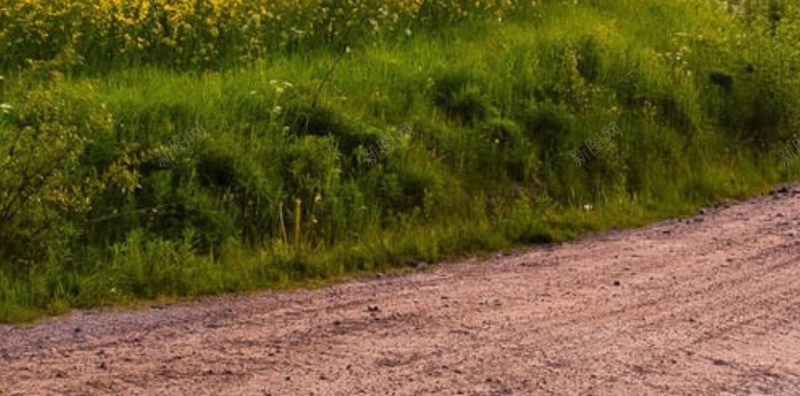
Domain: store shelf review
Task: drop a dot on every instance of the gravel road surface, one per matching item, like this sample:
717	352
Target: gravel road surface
708	305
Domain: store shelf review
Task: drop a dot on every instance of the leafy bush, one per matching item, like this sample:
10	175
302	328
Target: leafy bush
43	144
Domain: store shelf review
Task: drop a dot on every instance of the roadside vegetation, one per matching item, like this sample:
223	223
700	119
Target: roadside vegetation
284	175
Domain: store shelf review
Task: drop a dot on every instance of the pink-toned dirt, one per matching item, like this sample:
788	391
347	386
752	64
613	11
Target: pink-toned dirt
704	306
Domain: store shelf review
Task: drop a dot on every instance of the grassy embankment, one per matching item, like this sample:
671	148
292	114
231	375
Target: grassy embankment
277	190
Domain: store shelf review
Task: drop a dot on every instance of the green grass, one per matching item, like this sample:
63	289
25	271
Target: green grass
495	109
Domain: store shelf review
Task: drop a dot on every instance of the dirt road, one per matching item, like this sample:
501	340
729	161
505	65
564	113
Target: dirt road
708	305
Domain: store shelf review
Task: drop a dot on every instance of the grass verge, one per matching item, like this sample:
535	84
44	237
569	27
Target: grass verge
134	182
